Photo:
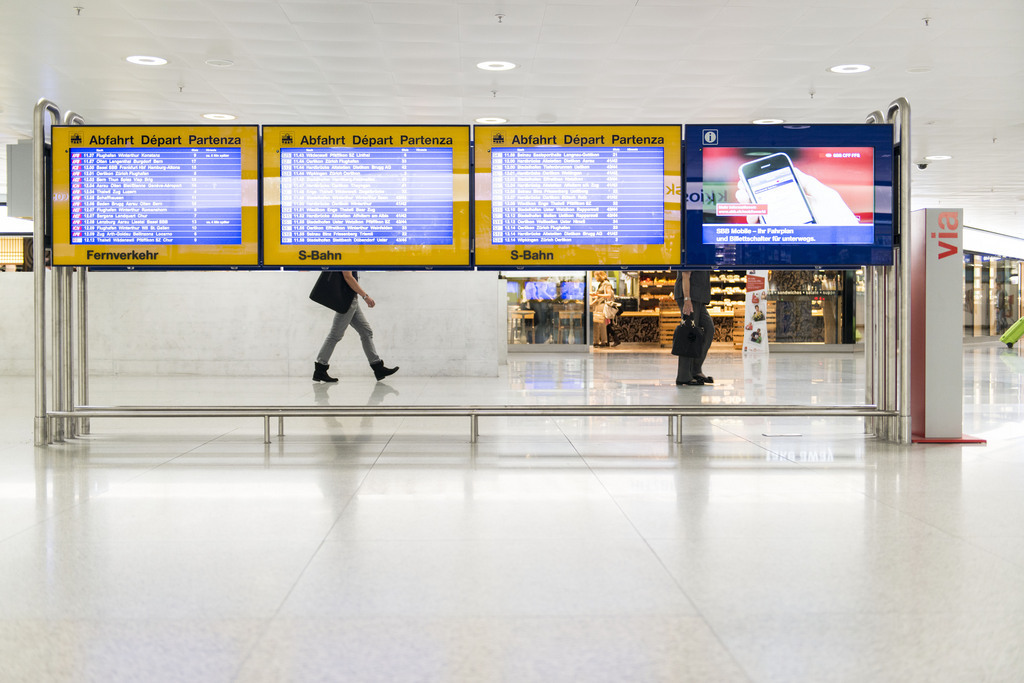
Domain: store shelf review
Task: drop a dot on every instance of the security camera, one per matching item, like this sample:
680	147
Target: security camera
922	165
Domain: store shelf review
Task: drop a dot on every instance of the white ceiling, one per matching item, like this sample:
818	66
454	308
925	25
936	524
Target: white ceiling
580	61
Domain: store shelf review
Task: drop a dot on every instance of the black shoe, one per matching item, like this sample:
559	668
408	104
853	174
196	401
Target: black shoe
695	382
380	372
705	379
320	373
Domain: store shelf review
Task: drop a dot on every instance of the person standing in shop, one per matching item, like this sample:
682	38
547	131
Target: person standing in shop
602	304
693	294
353	315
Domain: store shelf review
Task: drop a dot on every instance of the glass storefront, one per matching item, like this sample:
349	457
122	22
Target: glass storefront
546	308
991	294
550	310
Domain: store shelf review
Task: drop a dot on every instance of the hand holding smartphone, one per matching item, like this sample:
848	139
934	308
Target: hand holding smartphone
772	181
792	196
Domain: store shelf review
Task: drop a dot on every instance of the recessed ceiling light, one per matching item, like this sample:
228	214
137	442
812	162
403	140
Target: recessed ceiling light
144	60
219	117
938	157
849	68
767	122
491	119
495	66
220	63
919	69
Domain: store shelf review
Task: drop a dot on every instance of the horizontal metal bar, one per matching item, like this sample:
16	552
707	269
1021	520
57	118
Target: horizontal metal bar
462	411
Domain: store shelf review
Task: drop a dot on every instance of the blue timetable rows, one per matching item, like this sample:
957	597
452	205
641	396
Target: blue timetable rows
388	196
142	195
577	195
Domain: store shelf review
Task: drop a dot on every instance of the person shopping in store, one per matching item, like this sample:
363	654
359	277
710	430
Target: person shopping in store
604	308
353	315
693	294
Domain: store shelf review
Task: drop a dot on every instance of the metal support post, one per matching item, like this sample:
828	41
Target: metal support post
474	428
899	113
890	383
41	424
83	348
79	351
57	304
64	281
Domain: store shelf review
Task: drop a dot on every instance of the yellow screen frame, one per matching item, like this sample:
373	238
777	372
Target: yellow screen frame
66	138
547	256
413	256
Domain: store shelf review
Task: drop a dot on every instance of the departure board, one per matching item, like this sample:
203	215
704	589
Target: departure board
135	195
586	195
358	196
394	195
549	196
158	196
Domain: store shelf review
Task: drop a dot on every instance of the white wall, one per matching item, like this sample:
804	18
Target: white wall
263	323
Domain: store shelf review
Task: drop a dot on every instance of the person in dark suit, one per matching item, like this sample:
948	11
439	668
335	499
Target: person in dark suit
693	294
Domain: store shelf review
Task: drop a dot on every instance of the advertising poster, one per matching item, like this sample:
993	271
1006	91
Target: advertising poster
755	313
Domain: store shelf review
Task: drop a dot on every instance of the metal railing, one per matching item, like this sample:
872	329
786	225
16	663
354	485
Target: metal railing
674	413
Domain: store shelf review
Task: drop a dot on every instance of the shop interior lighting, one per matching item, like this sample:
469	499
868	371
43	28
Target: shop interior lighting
495	66
145	60
938	157
849	68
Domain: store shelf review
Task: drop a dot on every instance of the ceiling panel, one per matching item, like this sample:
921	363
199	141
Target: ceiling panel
623	61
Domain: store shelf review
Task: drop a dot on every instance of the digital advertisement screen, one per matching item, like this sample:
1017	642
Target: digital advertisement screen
551	196
155	196
540	291
366	196
573	291
789	195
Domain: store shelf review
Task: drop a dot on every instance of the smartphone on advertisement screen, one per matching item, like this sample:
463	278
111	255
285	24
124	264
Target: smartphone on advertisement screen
772	181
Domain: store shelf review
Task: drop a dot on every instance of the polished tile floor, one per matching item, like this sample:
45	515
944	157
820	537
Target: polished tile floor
581	549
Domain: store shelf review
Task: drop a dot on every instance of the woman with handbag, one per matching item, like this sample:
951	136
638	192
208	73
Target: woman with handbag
341	292
603	307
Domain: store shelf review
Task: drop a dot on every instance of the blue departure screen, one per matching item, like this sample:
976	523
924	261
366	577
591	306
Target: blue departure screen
577	195
384	196
143	195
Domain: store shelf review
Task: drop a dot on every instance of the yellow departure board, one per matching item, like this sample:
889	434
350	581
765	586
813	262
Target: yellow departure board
555	196
387	196
156	196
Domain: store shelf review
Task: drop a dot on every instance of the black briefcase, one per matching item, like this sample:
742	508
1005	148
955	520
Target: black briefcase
687	340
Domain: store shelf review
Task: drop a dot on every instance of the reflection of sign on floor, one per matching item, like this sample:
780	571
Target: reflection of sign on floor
755	377
755	313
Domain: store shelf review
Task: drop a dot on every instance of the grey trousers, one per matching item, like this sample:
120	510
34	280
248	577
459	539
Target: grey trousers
354	317
689	367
